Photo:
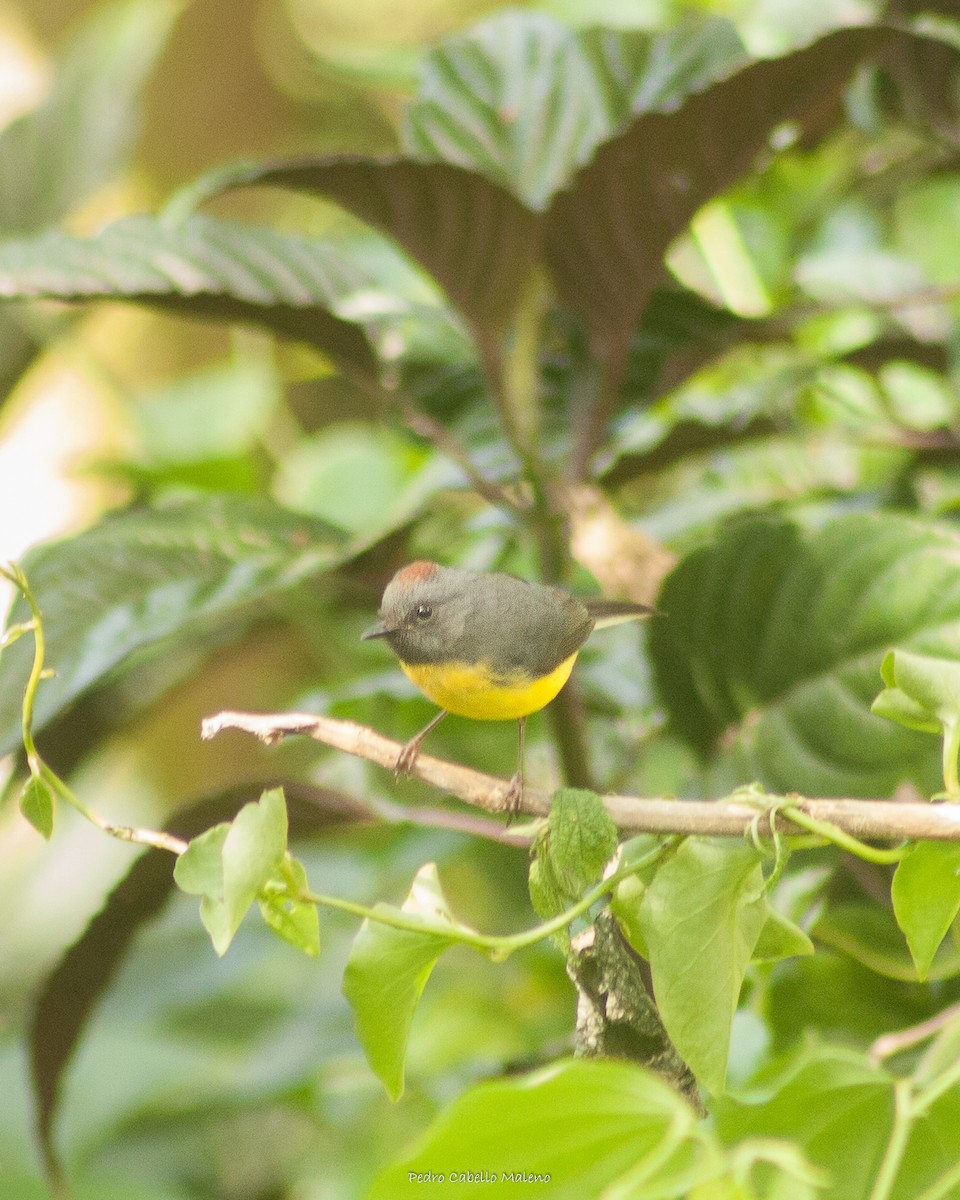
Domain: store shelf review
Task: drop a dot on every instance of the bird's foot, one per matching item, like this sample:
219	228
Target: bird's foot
514	798
407	757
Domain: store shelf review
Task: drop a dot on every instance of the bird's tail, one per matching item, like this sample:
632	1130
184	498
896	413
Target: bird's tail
614	612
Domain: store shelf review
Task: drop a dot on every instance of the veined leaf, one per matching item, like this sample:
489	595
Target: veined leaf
700	919
201	267
143	576
775	640
473	237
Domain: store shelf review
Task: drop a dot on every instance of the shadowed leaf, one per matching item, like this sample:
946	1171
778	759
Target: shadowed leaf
607	234
70	994
473	237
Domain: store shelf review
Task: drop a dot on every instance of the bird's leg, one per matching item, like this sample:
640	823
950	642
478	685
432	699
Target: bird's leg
408	755
515	790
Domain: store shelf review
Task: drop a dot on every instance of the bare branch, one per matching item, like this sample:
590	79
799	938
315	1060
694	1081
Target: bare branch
875	820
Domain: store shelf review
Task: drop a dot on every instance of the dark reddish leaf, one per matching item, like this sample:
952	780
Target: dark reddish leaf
472	236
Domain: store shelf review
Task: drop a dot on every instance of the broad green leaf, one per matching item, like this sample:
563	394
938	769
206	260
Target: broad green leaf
837	1108
780	938
473	237
201	267
218	411
517	98
143	576
296	921
37	805
895	705
584	1128
54	157
833	1105
581	838
926	897
775	639
545	894
870	935
628	896
701	917
198	871
526	100
387	971
232	863
66	1005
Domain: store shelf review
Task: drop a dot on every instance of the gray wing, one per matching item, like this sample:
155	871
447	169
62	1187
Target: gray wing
535	627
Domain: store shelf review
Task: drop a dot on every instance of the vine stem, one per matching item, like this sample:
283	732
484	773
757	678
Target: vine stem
498	947
38	768
903	1119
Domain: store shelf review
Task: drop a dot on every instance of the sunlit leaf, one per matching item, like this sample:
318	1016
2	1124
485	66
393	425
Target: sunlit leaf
388	970
202	267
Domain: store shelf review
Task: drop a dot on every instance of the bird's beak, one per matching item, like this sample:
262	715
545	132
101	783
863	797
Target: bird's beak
376	631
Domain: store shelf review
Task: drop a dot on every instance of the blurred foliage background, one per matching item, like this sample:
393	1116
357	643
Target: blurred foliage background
806	373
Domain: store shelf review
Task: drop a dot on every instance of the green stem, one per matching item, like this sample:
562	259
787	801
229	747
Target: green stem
844	840
38	768
903	1119
497	947
933	1091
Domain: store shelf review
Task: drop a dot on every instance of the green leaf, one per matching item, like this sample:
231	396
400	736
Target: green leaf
296	921
582	838
701	918
571	852
933	684
37	804
525	100
147	575
628	895
582	1127
198	871
319	476
202	267
229	865
517	98
896	705
775	638
54	157
832	1104
926	897
387	971
870	935
780	938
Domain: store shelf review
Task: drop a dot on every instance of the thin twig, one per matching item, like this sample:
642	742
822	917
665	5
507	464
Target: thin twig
889	1044
439	436
876	820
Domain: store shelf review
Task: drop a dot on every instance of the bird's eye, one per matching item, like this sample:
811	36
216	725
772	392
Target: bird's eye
424	612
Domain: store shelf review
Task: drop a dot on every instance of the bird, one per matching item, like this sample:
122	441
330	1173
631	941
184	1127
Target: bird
486	645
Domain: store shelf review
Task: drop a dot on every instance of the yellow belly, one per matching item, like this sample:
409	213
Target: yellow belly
471	691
